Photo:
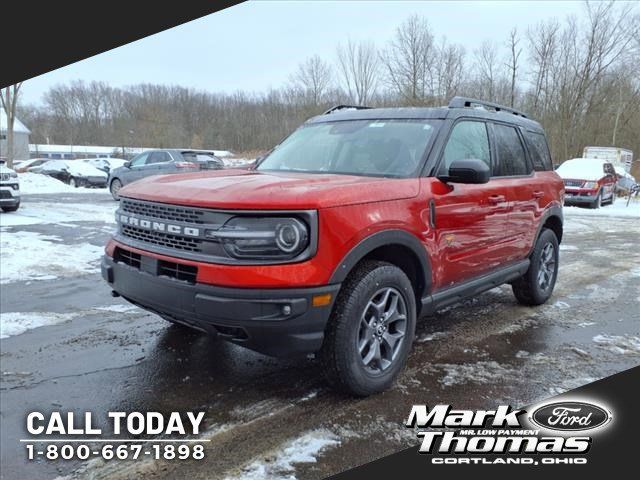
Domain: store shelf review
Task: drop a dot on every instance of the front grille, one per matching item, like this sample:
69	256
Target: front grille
164	212
573	183
129	258
177	242
187	273
5	194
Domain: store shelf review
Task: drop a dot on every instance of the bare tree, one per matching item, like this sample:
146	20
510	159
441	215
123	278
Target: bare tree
449	72
358	66
543	45
9	102
409	60
487	64
514	56
313	77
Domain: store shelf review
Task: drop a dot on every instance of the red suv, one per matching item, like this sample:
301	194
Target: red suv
357	224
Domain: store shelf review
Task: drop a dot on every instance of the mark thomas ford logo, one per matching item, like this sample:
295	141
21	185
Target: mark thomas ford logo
570	416
158	226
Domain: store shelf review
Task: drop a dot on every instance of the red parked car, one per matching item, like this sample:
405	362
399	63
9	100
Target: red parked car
588	181
341	237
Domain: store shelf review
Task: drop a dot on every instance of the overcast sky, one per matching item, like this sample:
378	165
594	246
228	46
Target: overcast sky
258	44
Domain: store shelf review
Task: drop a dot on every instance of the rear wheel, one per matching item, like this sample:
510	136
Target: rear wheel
370	330
115	187
536	286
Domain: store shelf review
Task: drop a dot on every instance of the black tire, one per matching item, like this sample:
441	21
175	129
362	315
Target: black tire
11	209
529	289
74	182
114	188
597	203
342	359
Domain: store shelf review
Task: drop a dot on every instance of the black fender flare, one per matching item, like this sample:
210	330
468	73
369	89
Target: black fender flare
381	239
553	211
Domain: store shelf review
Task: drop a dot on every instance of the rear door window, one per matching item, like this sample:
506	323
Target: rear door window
158	157
512	159
539	151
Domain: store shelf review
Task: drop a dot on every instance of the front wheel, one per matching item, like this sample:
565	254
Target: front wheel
371	329
597	203
115	187
536	286
74	183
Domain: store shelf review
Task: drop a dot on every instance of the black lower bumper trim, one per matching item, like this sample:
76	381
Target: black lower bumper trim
276	322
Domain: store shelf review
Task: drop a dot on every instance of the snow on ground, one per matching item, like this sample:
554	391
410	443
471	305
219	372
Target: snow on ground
237	162
31	256
120	308
281	465
33	183
618	209
624	345
16	323
60	213
479	372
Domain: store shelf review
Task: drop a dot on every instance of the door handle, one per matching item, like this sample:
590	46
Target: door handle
538	194
497	199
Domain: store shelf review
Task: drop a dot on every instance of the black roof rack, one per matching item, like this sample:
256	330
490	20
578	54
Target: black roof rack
462	102
341	107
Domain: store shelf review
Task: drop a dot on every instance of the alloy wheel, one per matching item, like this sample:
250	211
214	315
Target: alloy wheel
547	266
382	329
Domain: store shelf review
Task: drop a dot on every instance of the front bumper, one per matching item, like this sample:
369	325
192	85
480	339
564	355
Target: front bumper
579	198
276	322
9	195
94	182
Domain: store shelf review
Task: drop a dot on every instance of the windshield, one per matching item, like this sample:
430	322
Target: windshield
387	148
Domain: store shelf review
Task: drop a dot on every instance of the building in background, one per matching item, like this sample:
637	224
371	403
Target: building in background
70	152
20	138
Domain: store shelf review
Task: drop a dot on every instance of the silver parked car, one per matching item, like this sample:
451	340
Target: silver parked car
161	162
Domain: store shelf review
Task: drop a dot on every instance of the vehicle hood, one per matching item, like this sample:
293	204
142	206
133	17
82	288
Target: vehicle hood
585	169
242	189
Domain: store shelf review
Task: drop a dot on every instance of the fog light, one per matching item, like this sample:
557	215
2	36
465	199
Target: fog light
321	300
286	310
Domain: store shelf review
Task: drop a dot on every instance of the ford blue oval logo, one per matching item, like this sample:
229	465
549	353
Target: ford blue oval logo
570	416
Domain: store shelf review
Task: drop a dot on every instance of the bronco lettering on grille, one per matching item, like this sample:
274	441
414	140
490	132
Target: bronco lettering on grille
159	226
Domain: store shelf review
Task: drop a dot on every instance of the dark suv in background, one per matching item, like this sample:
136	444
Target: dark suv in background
161	162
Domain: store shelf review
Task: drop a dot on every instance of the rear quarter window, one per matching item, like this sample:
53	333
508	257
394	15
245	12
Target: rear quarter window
539	150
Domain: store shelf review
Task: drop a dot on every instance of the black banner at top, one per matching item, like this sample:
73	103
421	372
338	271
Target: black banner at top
38	37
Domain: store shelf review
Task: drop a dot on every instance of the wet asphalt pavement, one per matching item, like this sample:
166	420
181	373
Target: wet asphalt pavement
478	354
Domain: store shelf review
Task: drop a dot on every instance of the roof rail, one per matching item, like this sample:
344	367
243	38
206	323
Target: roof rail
341	107
462	102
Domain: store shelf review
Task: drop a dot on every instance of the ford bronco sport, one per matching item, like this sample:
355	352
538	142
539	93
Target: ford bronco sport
358	223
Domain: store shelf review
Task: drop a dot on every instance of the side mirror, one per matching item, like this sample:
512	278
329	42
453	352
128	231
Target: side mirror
127	164
467	170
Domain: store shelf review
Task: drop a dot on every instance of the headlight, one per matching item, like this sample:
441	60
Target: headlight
263	237
591	185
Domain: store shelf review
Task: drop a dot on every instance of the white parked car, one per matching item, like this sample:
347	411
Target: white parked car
106	164
9	189
74	172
